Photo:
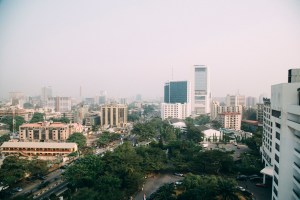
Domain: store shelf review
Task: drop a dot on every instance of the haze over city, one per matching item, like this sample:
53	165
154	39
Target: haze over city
130	47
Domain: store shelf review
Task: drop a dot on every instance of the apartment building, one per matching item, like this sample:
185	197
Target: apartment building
281	138
114	115
46	131
230	120
174	110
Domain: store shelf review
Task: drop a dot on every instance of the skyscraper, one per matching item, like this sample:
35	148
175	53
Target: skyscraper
201	95
176	92
46	93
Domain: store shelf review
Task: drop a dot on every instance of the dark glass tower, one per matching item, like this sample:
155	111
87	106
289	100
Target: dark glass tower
176	92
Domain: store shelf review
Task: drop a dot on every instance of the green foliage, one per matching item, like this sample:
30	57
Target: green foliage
165	192
9	121
249	164
4	138
216	124
86	194
154	159
37	117
15	168
62	120
135	116
106	138
148	109
145	131
78	138
249	114
28	105
202	120
193	133
207	187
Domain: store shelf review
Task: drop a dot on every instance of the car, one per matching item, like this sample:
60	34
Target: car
261	185
247	193
241	177
255	179
18	189
253	176
178	174
178	182
240	188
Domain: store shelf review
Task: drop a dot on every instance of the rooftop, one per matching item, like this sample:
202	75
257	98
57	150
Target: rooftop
39	145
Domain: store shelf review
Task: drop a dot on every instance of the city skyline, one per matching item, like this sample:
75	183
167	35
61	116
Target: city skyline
130	48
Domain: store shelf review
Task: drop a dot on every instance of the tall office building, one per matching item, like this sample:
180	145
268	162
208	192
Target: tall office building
201	94
59	104
235	100
176	100
114	115
250	102
281	140
176	92
46	92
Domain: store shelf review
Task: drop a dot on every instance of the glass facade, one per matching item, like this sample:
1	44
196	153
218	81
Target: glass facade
176	92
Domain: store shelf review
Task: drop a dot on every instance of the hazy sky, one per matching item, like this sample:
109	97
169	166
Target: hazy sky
129	47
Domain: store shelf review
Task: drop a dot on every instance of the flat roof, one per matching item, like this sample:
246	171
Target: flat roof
267	171
38	145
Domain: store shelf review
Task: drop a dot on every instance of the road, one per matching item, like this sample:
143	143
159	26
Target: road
153	183
238	150
259	193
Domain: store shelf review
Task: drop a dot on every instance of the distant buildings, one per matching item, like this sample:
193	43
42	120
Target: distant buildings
46	92
60	104
15	111
260	113
114	115
229	116
235	100
201	94
17	99
281	138
250	102
176	100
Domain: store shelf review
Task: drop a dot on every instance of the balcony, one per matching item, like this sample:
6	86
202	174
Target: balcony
297	182
293	125
296	167
297	152
296	194
293	109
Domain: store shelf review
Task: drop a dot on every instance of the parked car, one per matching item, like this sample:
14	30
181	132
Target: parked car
240	188
18	189
253	176
241	178
178	182
256	179
178	174
261	185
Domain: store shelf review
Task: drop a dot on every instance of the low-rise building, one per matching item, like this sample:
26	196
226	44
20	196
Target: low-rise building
47	131
38	148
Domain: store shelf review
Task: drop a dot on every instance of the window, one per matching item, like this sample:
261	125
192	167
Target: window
276	158
277	125
277	147
276	169
278	136
276	180
276	113
275	191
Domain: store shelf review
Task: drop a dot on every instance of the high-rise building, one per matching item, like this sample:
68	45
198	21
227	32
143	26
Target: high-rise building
260	113
250	102
177	92
293	75
235	100
45	94
281	140
114	115
176	100
201	94
59	104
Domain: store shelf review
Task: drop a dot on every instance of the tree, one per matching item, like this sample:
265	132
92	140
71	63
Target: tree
13	169
202	120
145	131
193	133
37	167
4	138
37	117
62	120
28	105
78	138
165	192
106	138
9	121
